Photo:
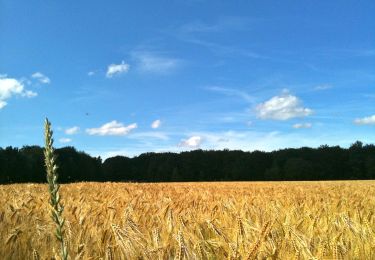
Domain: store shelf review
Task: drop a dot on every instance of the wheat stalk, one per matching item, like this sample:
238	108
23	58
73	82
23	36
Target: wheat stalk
56	205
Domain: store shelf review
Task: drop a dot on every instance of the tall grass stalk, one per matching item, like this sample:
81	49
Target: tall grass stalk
57	207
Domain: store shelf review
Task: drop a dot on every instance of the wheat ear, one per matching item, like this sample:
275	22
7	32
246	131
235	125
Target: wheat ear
57	207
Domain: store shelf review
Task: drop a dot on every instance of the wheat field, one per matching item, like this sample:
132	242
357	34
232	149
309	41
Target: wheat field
230	220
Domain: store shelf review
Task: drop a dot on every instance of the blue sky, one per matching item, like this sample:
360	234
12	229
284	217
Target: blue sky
124	78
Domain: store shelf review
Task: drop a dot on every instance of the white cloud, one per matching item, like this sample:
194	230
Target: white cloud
112	128
41	78
152	63
10	87
282	107
323	87
91	73
370	120
29	94
302	125
2	104
192	142
65	140
117	69
71	131
156	124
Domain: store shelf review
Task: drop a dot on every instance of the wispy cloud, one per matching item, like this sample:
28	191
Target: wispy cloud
150	62
355	52
370	120
225	50
65	140
85	93
369	95
117	69
221	25
232	92
41	78
302	125
283	107
149	135
72	130
199	27
29	94
156	124
194	33
10	87
323	87
112	128
366	52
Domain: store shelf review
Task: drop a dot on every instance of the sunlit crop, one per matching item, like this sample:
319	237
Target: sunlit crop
299	220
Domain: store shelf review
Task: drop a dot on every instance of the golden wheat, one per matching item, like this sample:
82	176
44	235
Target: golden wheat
274	220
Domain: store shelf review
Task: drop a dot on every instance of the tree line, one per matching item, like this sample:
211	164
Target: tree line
26	164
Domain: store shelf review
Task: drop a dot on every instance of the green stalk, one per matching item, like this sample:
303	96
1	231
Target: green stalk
57	207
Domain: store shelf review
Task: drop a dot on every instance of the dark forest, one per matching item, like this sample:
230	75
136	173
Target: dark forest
26	164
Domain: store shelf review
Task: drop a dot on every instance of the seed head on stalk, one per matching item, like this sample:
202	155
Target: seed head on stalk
56	205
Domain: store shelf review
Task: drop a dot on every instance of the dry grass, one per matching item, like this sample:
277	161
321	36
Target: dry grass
292	220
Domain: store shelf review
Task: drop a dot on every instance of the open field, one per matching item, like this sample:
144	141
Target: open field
274	220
